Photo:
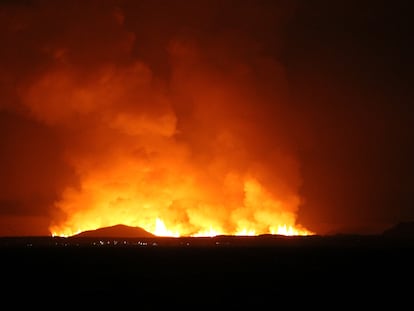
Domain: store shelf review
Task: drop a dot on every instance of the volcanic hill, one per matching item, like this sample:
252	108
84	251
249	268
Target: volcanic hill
117	231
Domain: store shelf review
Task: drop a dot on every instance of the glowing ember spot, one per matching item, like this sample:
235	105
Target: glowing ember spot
161	229
246	232
66	233
290	231
210	233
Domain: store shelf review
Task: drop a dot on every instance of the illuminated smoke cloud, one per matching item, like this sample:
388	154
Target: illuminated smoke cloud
199	147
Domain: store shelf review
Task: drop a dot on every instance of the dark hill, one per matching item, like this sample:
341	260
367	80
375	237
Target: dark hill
117	231
402	229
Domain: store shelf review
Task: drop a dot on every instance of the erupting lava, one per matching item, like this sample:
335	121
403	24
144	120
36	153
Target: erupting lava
257	213
201	149
193	164
201	174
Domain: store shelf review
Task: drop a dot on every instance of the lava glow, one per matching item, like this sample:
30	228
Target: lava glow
258	213
161	230
201	174
201	149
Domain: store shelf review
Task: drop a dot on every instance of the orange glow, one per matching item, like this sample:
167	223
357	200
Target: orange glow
161	230
258	213
188	160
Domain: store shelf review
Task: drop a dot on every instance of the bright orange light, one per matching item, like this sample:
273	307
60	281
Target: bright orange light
161	230
258	213
182	160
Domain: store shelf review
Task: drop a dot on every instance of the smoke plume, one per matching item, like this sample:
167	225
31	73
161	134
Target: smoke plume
152	117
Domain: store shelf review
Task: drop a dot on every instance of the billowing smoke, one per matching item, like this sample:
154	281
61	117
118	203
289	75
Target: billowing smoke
156	118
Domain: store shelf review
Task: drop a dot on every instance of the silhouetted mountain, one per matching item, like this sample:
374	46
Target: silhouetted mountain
117	231
402	229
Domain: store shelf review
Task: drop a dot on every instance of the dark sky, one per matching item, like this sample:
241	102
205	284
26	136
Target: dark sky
227	113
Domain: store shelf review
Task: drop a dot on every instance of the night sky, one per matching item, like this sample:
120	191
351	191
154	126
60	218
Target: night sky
219	112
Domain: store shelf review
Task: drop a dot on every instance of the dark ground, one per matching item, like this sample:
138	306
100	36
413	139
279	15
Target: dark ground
223	272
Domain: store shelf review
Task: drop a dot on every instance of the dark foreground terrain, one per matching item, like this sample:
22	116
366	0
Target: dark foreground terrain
223	272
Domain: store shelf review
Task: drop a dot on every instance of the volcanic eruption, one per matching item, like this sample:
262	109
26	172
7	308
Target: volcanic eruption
184	135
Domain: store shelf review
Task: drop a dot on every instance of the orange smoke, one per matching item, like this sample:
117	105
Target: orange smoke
201	152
